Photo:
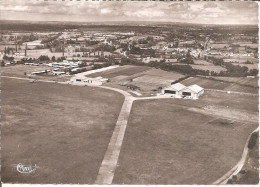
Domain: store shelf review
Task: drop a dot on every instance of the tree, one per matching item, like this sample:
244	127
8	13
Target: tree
43	58
25	51
53	58
253	72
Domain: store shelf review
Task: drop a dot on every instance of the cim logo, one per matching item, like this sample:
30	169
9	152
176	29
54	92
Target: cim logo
26	168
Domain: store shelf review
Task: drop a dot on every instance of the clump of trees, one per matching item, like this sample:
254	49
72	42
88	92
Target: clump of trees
232	70
91	42
7	58
44	58
252	140
145	52
187	59
105	48
51	38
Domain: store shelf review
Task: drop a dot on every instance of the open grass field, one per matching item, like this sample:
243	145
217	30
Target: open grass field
251	167
18	70
167	143
240	80
242	60
127	70
249	66
221	85
211	67
63	129
202	62
149	79
164	74
219	45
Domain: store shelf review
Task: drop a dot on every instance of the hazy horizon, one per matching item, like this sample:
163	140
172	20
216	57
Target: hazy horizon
214	13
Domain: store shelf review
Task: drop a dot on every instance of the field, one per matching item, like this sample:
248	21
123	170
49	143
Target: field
63	129
242	60
240	80
18	70
219	46
223	85
251	167
217	69
202	62
170	141
249	66
121	71
148	79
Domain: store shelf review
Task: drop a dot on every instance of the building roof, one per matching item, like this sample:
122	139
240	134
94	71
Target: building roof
178	86
195	88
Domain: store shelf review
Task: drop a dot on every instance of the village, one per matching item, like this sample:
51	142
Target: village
74	51
170	98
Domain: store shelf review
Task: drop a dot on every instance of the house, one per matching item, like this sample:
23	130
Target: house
192	92
174	90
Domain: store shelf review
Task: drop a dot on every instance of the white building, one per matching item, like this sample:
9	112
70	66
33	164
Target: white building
178	90
98	81
174	90
192	92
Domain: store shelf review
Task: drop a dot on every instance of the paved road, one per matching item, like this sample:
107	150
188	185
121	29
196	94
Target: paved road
236	169
109	163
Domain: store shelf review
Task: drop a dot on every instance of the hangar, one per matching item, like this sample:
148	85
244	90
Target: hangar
174	89
192	92
178	90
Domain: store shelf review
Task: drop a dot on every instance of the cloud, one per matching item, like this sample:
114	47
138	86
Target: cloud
210	5
194	12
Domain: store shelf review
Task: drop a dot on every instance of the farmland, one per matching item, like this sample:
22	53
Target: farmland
18	70
179	145
121	71
250	172
55	127
202	62
148	79
239	80
225	84
216	69
249	66
242	60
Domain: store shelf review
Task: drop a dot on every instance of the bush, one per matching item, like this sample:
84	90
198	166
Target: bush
234	177
243	171
44	58
230	181
252	140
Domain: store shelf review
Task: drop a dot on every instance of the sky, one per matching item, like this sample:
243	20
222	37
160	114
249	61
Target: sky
213	12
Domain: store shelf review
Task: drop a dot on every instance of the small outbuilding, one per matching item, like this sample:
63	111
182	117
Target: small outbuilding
96	81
